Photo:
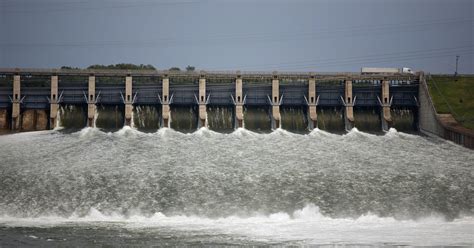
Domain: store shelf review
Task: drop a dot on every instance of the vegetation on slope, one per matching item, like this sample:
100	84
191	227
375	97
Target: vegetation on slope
455	96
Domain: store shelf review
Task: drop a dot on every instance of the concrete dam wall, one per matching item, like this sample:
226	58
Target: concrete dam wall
222	101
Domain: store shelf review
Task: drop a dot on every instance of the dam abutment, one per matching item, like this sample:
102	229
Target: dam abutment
432	123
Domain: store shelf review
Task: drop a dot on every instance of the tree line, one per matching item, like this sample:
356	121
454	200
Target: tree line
128	66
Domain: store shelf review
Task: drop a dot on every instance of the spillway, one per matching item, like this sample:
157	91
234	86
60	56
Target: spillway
110	117
257	119
331	119
367	119
147	117
221	118
73	116
184	118
294	119
405	119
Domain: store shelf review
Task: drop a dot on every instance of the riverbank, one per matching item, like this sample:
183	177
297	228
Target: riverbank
453	96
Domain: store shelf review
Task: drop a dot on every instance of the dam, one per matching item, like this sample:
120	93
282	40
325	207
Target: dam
228	159
39	99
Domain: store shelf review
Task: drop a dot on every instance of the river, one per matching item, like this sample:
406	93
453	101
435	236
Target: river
97	188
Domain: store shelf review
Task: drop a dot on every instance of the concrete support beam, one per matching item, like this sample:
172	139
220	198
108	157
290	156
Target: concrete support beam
165	101
91	102
202	102
313	116
239	102
349	105
53	102
128	100
276	117
386	115
16	100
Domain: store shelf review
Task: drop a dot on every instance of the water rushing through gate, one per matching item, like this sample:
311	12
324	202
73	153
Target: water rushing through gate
94	187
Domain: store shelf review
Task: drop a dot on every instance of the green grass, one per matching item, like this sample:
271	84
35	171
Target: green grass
454	96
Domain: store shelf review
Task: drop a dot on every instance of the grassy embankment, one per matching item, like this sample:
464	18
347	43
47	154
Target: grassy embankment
454	96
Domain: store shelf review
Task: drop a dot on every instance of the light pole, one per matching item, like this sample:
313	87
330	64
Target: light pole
457	60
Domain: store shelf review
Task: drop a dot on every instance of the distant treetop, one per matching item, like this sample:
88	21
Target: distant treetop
123	67
70	68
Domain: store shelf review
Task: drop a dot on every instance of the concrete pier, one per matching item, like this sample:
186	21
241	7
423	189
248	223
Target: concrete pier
202	102
239	102
349	106
276	117
16	100
54	102
312	103
165	101
385	104
128	101
91	102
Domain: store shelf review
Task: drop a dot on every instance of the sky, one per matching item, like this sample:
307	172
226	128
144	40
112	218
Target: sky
247	35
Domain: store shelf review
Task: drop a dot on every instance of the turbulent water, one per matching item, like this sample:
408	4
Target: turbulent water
242	188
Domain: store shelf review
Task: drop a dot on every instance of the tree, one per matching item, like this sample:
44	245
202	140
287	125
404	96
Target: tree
175	69
190	68
123	66
69	68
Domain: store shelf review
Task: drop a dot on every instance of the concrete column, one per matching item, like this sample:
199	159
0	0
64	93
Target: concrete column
387	117
276	102
128	101
91	101
165	101
239	102
313	116
54	102
16	102
202	102
349	106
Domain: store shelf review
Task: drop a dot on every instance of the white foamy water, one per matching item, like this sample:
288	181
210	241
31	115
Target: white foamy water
305	226
237	188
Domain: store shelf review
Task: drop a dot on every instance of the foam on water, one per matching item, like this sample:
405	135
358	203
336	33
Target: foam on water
318	132
281	132
316	188
242	132
307	225
205	132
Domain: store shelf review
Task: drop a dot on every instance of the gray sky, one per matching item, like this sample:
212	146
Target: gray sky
285	35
